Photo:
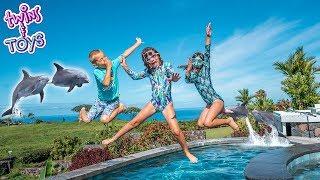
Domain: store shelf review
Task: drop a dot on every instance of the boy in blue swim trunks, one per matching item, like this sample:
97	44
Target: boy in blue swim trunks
107	105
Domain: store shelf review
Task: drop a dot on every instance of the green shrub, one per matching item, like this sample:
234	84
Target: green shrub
124	146
259	128
189	126
156	134
108	132
35	156
65	147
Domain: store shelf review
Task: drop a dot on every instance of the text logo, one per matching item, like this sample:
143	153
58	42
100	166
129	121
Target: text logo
25	17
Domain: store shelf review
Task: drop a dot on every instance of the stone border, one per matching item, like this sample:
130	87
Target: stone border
273	164
103	167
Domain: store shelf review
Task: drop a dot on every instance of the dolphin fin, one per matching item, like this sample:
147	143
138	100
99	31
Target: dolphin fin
41	96
9	111
25	74
70	88
59	67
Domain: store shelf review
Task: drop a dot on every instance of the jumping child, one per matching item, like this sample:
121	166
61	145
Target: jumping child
107	105
198	73
161	75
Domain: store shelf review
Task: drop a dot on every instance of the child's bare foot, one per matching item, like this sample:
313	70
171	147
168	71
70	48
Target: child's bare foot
192	158
106	142
82	110
233	124
122	107
83	115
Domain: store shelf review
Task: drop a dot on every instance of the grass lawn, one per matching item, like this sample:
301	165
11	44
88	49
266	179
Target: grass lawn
23	138
28	137
218	132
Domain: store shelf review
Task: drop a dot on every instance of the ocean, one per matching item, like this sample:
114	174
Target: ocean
61	112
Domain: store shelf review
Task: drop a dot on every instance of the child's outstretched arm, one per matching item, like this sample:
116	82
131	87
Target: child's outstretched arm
131	73
207	50
208	43
132	48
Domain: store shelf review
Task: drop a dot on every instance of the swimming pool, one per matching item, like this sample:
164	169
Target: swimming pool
306	166
217	161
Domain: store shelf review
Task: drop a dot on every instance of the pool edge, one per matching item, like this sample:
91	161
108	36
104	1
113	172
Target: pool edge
112	164
273	164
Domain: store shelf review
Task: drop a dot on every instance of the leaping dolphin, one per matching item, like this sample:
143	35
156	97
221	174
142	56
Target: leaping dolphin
29	85
237	111
68	77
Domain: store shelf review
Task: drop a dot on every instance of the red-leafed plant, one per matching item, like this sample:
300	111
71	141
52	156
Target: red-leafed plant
86	157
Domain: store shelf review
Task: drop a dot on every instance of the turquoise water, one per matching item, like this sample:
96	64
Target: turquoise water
215	162
311	171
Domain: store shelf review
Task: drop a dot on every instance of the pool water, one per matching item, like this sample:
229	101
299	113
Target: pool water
311	171
215	162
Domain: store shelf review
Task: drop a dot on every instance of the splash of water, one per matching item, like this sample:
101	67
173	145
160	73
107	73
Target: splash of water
269	139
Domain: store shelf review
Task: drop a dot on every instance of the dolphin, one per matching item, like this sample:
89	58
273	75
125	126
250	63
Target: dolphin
29	85
264	117
237	111
68	77
267	118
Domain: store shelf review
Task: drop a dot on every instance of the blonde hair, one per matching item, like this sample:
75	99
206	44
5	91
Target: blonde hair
93	53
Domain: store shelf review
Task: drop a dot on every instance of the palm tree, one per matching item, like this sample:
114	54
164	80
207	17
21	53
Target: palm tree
244	97
261	94
261	102
300	83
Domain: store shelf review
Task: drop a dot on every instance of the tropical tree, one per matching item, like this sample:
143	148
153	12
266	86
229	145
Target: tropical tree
282	105
261	102
300	83
244	98
261	94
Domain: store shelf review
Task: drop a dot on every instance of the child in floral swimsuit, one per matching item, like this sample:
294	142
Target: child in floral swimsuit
198	72
161	75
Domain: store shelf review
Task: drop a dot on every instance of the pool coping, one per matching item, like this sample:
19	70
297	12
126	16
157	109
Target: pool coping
273	164
103	167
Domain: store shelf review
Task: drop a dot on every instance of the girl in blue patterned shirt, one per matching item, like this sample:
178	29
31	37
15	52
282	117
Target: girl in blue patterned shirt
198	73
161	75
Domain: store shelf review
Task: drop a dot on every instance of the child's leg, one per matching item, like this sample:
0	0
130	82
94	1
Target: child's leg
94	111
106	118
170	116
146	112
203	116
211	120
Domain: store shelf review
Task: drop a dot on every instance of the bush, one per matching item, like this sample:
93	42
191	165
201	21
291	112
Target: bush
189	126
65	147
156	135
108	131
259	128
86	157
35	156
124	146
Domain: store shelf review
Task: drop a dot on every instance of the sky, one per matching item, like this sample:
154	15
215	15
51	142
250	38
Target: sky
248	37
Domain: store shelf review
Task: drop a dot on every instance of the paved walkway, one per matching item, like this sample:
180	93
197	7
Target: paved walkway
303	140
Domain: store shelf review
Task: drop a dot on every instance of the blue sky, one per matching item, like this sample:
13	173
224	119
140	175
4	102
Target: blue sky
248	37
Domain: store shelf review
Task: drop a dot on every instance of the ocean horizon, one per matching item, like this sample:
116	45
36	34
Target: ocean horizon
61	112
